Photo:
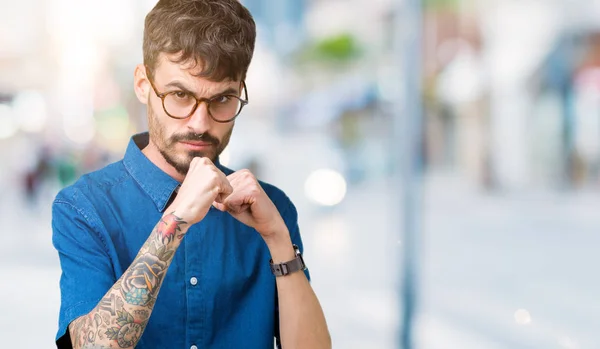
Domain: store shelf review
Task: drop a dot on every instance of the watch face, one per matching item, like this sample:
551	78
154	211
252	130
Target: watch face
302	261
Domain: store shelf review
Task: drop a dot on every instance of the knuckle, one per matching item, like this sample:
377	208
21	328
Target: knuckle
215	175
246	174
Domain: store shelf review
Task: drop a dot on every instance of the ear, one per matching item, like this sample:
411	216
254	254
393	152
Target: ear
141	84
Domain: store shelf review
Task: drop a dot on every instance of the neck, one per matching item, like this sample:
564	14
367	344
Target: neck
152	153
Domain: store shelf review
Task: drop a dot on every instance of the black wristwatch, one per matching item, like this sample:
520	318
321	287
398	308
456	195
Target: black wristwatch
296	264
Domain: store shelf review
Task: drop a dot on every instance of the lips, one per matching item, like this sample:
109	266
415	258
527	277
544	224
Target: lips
197	144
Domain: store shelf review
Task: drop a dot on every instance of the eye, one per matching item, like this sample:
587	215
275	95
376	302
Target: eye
222	99
180	95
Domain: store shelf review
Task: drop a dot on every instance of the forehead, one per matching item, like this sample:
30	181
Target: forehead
167	71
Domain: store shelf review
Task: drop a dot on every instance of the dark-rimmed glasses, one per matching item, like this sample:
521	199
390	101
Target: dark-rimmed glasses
221	108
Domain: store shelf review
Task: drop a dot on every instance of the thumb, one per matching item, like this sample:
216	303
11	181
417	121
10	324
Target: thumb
219	206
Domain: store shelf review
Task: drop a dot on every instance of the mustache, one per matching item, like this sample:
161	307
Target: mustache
198	137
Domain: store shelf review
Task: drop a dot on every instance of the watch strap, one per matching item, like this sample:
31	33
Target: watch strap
283	269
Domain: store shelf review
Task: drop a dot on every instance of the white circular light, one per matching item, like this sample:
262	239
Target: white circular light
522	317
79	124
8	126
325	187
30	111
80	134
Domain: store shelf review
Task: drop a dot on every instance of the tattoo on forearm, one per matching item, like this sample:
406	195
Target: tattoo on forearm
111	304
168	227
121	316
142	279
142	314
127	332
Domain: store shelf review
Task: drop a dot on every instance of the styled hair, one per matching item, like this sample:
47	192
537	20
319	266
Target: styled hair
218	35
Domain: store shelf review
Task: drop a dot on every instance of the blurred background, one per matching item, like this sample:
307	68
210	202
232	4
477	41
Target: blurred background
508	186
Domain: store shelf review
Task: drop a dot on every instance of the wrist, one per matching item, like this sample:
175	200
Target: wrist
280	246
171	228
289	267
182	212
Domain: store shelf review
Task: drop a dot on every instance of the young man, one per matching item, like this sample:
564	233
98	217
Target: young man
167	242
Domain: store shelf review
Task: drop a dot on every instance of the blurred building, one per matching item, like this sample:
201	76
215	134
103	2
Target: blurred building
280	24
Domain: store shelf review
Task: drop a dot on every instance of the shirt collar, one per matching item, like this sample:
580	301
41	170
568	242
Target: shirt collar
155	182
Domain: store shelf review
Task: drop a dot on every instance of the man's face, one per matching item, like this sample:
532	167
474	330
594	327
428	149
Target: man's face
180	140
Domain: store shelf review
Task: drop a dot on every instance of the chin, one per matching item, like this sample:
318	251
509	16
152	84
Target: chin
190	156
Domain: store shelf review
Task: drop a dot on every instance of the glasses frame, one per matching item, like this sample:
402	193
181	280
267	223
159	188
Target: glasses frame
163	95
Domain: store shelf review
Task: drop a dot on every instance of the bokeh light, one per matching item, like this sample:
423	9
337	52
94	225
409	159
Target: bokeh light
31	111
325	187
8	125
522	317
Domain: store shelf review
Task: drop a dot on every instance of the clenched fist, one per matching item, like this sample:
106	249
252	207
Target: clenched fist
249	204
203	185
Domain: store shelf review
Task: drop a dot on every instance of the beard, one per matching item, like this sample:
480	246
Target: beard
180	160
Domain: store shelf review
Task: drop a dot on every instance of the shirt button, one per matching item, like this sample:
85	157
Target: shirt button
193	347
194	282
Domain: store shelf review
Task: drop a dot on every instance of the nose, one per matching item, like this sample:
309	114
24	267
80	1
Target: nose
200	121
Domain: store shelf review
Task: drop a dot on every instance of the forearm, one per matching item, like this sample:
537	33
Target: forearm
301	320
122	314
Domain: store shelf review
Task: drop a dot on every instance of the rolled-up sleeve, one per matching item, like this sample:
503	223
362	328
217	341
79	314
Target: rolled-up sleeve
87	272
290	217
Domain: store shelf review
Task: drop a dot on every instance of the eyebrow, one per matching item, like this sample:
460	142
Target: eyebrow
179	85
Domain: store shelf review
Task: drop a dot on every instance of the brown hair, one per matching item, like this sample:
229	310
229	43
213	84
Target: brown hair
218	34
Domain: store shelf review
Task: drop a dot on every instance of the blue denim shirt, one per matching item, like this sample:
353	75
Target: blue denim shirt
219	291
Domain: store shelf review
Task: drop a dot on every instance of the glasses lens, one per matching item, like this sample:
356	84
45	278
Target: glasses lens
225	108
179	104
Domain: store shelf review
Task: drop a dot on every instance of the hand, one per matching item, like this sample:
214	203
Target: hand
249	204
203	185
